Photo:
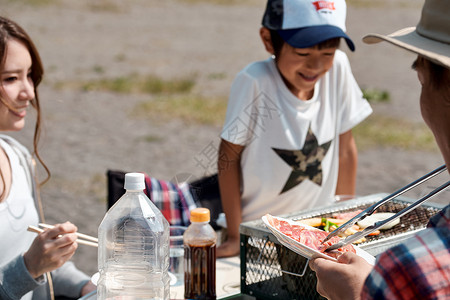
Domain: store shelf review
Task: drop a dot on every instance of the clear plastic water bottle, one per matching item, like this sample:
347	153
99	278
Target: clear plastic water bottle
200	257
133	248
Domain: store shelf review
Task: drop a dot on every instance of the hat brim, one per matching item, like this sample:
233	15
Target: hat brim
409	39
307	37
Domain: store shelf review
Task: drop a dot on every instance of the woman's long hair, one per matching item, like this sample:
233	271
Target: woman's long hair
10	30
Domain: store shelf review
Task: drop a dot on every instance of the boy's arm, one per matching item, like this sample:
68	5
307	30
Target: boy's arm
229	173
348	160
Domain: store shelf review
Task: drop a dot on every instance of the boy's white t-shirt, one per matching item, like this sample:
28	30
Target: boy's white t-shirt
291	157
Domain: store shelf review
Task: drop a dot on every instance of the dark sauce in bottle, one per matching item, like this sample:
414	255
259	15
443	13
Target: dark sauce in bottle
200	271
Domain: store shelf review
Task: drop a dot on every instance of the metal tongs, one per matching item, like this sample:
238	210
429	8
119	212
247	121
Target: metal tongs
370	210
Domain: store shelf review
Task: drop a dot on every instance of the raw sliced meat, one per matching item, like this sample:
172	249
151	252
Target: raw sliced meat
309	237
347	215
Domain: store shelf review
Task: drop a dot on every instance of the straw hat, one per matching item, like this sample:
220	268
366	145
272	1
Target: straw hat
431	37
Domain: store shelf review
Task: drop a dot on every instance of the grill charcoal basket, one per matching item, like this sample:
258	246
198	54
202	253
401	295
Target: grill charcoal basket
271	271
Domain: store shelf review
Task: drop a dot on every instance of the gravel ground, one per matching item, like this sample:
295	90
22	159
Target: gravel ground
87	133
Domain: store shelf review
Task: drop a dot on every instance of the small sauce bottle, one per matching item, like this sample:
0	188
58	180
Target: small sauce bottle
200	257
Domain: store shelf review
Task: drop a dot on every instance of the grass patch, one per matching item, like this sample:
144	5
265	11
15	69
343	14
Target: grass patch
120	57
189	108
98	69
375	131
383	3
389	132
103	6
34	2
93	186
374	95
365	3
152	138
136	84
217	76
222	2
96	186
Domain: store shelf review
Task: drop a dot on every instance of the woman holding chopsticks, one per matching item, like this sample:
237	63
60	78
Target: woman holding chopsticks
26	260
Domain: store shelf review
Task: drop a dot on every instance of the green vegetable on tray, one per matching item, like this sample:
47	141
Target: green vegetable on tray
329	226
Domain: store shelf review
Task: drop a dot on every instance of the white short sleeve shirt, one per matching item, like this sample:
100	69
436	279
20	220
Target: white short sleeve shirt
291	156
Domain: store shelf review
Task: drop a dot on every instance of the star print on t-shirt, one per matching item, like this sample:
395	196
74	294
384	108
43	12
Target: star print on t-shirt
306	163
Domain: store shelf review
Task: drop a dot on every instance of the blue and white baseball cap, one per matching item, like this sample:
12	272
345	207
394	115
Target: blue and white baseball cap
306	23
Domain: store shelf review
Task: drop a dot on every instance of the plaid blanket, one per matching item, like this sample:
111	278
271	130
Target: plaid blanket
174	201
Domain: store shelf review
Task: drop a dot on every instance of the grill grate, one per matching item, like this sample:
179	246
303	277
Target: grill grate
414	220
272	271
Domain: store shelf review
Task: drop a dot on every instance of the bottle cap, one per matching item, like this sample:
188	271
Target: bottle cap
134	181
200	214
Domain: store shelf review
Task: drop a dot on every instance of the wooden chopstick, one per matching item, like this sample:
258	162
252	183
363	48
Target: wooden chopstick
79	241
81	235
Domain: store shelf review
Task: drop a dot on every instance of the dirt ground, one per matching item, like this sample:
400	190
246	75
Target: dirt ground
87	133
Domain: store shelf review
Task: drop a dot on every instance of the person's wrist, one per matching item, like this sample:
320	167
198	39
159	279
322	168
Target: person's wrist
233	232
233	237
33	273
87	288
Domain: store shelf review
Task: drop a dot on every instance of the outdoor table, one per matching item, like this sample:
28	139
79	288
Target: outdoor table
228	274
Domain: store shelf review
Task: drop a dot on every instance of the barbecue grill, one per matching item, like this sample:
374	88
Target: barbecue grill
271	271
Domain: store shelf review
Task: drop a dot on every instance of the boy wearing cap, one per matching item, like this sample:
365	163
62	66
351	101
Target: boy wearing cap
418	268
287	143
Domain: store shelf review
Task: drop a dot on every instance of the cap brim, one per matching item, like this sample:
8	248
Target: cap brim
306	37
410	40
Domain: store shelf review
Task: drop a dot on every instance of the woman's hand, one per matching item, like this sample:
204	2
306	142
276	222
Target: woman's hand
343	279
87	288
229	248
51	249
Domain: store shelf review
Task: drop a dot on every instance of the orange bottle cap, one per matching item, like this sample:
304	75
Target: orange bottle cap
200	214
